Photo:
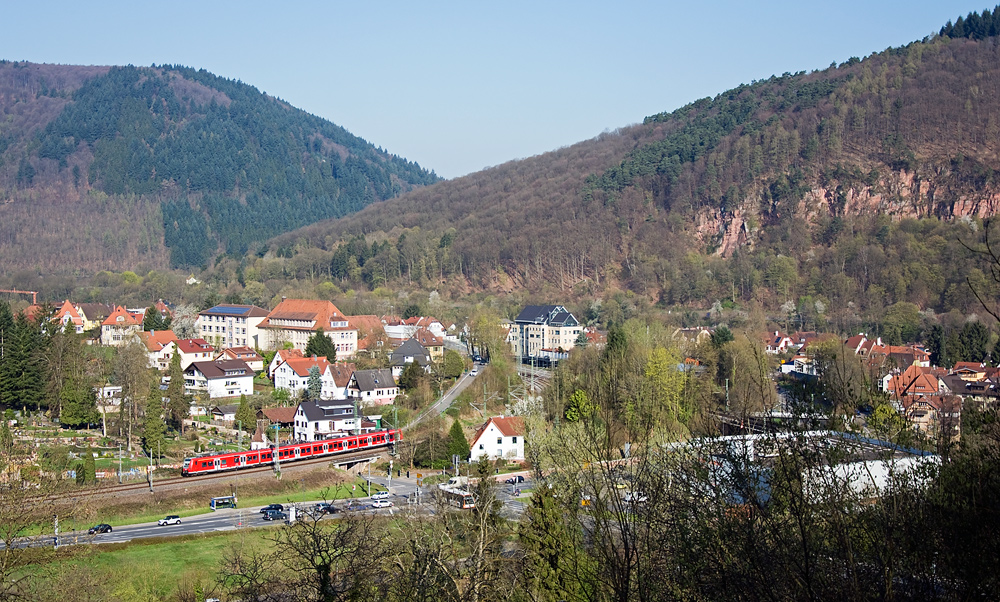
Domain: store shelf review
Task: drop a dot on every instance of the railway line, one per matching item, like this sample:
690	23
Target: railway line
174	482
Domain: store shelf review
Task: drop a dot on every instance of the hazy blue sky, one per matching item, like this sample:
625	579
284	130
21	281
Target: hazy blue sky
458	86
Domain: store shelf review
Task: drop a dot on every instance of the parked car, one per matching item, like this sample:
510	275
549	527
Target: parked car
478	359
275	515
101	528
173	519
515	480
382	504
381	495
270	507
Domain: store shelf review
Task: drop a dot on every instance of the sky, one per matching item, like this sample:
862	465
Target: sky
461	86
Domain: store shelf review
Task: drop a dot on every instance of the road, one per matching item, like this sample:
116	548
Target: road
446	400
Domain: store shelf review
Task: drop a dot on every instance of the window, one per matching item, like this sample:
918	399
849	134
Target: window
481	446
499	440
513	439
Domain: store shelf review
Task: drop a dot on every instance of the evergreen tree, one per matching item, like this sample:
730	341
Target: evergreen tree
315	383
6	440
458	445
412	311
6	344
721	336
154	320
153	430
581	341
178	403
246	416
90	468
78	405
411	376
974	340
320	345
23	375
554	565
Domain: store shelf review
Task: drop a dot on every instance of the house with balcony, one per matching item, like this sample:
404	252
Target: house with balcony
230	378
194	350
318	420
118	328
373	387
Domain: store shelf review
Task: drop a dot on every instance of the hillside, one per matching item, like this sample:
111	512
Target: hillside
802	185
110	166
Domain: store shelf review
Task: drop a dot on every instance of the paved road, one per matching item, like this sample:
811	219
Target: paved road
446	400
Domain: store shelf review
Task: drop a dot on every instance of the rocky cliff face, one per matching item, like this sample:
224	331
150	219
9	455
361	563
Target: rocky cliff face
943	193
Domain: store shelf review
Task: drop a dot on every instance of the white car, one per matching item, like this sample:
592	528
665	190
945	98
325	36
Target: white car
474	373
381	495
382	504
173	519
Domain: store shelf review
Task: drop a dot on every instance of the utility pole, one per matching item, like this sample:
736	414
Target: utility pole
119	463
277	448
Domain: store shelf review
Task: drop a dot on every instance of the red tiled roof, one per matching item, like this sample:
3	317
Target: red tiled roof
158	339
321	313
341	372
67	309
369	327
126	318
241	353
193	346
302	365
511	426
427	338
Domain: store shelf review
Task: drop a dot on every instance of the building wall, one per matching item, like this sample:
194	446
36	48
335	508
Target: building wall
494	444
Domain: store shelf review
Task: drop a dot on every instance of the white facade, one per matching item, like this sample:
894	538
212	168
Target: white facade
231	325
498	440
286	377
314	422
225	379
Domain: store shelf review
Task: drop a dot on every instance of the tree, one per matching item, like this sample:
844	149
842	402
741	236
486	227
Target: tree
721	336
320	345
411	311
315	383
581	340
131	371
6	440
453	365
458	445
974	340
153	428
154	320
246	416
178	403
412	375
79	405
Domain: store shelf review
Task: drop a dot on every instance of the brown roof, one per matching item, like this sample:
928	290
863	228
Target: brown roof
95	311
241	353
511	426
321	313
280	415
341	372
193	345
427	338
213	370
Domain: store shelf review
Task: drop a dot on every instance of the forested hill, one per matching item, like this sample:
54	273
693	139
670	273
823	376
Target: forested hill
104	166
799	185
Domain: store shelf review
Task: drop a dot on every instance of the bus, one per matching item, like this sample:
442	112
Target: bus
226	501
458	498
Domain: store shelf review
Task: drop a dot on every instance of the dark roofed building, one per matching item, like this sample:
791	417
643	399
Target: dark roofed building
317	420
409	352
544	327
228	378
373	387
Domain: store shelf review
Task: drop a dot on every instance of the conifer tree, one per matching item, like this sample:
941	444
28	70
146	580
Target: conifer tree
178	403
246	416
320	345
458	445
153	430
315	383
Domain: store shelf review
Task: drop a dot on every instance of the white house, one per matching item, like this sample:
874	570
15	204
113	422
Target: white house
373	387
248	355
230	378
317	420
193	350
499	438
294	376
160	346
118	328
296	320
231	325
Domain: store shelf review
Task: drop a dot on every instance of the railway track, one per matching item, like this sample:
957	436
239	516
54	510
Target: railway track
173	482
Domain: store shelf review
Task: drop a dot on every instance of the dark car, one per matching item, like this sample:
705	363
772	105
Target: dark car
272	507
275	515
325	508
515	480
101	528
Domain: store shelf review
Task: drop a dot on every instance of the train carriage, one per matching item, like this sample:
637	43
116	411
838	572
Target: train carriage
288	453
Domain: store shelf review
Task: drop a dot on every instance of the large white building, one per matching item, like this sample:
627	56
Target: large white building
231	325
500	438
296	320
544	330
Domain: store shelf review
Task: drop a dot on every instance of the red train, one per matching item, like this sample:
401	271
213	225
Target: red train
289	453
